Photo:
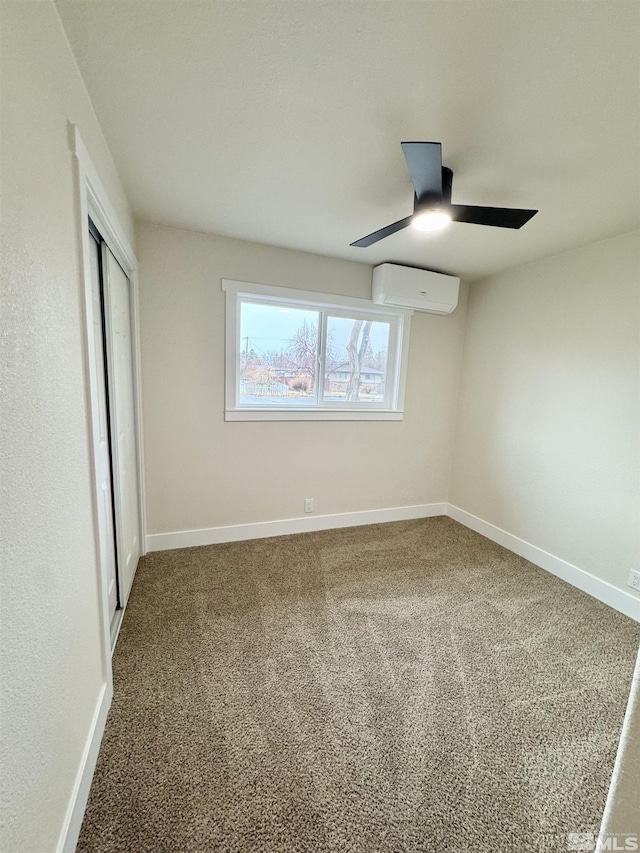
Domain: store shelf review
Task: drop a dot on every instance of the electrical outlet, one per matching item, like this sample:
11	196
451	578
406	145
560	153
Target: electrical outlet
308	504
634	579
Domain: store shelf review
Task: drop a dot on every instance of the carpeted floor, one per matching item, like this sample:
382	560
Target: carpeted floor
396	688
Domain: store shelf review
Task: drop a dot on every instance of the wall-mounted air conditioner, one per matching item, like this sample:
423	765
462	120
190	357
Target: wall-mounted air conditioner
421	290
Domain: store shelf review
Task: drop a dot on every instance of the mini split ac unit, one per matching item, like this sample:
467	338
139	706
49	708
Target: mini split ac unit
421	290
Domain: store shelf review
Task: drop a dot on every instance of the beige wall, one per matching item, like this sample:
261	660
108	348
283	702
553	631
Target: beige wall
547	432
50	657
203	472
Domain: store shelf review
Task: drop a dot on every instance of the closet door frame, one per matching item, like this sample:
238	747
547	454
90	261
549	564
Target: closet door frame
94	203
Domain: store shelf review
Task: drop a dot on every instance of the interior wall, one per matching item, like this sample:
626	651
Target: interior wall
547	432
204	472
50	654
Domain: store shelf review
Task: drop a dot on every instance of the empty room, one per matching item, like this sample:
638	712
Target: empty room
320	494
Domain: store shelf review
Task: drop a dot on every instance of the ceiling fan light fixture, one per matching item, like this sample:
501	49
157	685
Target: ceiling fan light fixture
432	207
430	220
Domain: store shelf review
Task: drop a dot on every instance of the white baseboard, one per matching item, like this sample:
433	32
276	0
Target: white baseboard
80	793
624	602
284	527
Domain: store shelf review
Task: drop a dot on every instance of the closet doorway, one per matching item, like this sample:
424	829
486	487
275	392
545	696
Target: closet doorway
115	433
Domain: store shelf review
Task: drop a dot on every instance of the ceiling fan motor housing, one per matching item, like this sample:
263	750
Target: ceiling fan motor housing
433	199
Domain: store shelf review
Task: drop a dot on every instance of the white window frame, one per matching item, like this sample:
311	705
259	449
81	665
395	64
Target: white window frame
339	306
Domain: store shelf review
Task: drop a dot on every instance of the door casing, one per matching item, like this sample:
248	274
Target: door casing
94	204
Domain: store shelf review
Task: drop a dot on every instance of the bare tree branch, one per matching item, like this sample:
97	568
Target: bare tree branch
357	355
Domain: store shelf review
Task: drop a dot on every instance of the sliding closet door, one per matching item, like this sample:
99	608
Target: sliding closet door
122	417
102	448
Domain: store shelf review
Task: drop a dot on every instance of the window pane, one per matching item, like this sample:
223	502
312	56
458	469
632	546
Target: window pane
356	360
278	351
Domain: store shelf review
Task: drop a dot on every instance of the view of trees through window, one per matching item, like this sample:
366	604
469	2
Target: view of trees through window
280	357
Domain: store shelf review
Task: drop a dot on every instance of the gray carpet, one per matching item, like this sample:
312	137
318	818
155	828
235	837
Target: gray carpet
396	688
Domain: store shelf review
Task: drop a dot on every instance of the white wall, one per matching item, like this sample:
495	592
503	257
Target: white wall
203	472
548	421
50	655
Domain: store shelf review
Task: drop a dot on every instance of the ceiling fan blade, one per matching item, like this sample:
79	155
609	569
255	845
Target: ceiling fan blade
499	217
424	161
383	232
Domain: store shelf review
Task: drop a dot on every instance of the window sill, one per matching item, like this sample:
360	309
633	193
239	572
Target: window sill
312	415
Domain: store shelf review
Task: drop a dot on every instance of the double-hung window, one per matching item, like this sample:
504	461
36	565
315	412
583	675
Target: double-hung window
299	355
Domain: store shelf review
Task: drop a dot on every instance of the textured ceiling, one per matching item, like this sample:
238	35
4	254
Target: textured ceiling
281	122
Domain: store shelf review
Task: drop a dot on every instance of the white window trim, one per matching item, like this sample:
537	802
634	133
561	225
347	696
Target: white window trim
323	301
